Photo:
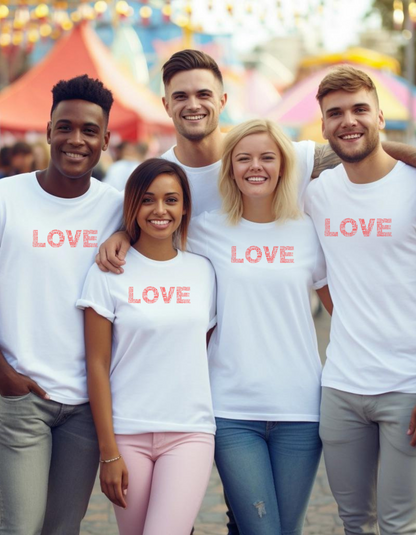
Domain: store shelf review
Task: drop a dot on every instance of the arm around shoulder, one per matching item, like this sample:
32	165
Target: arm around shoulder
400	151
325	158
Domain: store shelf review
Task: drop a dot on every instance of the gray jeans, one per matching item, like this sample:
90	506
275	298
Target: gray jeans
48	463
370	464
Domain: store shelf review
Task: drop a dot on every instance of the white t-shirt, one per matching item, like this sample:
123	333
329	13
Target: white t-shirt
119	172
263	356
47	245
372	278
159	370
204	180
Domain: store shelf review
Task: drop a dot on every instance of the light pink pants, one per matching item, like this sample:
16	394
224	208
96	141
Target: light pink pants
168	477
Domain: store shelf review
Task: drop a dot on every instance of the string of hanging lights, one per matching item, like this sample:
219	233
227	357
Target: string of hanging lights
24	22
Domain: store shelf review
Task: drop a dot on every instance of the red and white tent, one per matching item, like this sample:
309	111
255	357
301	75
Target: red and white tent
25	105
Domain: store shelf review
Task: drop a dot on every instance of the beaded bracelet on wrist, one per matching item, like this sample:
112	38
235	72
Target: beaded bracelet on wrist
110	460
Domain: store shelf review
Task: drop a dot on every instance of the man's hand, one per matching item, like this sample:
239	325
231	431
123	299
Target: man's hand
16	384
112	253
412	428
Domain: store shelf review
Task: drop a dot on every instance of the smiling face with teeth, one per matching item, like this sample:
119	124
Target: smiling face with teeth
194	100
161	211
77	133
256	166
351	122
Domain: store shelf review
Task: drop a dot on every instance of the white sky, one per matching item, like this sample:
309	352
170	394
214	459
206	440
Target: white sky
336	25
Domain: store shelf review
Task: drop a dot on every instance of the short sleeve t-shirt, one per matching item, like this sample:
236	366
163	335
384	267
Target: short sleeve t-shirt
263	357
204	180
161	312
368	235
47	245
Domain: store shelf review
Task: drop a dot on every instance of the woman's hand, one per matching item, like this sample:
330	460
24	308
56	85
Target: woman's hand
112	253
114	479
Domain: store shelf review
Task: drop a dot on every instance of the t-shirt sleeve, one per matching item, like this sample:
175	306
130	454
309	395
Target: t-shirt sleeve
310	190
2	219
96	294
305	155
196	240
319	273
213	302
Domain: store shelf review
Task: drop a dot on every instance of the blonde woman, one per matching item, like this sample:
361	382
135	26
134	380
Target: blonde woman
263	358
264	363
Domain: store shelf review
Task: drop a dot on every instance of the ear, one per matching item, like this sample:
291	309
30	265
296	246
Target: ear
323	129
166	105
224	99
107	136
381	120
48	132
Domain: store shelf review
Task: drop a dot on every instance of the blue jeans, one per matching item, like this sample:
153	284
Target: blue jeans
268	470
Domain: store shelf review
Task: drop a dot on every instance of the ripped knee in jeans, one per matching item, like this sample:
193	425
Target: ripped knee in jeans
261	508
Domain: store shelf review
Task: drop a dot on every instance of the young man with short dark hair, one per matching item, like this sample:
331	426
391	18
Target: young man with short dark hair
364	212
51	222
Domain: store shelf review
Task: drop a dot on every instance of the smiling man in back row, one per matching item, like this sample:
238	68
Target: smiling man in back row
364	212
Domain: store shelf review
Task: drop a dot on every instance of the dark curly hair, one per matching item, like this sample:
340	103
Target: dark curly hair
83	88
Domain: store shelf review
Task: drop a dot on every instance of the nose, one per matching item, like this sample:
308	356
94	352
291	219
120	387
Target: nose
349	119
159	208
76	137
193	103
255	164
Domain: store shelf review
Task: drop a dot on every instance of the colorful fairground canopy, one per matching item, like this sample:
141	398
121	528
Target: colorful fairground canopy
25	105
298	110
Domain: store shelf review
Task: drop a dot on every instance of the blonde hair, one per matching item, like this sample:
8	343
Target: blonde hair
345	78
285	200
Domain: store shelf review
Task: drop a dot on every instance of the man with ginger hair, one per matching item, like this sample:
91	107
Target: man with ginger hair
364	212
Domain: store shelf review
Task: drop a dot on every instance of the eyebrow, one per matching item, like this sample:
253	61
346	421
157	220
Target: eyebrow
248	154
175	93
358	105
166	194
68	121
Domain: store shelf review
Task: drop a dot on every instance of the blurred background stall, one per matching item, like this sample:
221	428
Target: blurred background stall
272	52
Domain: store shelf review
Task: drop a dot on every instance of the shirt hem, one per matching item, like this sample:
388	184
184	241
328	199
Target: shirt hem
268	417
367	392
162	428
67	401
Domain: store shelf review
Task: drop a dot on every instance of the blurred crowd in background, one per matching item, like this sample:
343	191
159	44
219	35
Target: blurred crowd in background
114	168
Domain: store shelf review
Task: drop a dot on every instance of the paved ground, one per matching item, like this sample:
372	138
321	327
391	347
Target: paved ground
322	518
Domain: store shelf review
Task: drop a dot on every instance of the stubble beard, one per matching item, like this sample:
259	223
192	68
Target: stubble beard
197	136
356	157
